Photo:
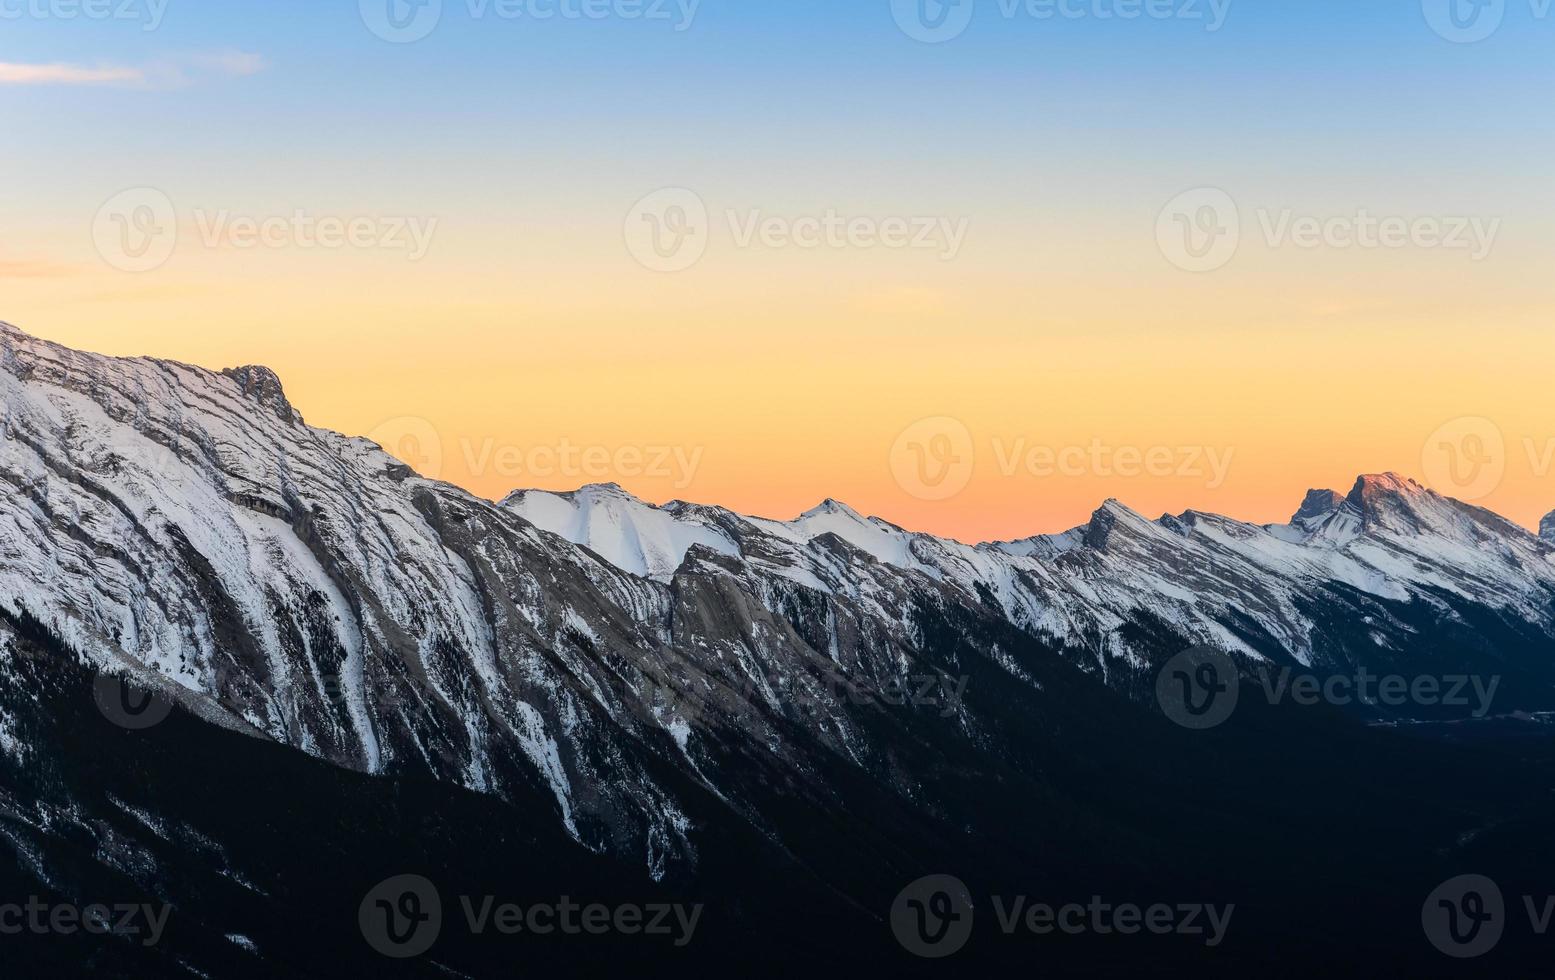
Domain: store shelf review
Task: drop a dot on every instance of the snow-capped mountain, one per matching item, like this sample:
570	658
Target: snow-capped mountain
1547	527
616	526
680	688
188	527
1237	585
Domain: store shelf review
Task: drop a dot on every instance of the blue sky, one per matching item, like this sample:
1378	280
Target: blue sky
1347	82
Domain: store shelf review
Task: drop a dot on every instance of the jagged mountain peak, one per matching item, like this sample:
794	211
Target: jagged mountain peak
1318	504
1394	503
879	538
139	380
264	386
1112	516
833	507
1387	501
13	331
1547	527
1116	509
1372	486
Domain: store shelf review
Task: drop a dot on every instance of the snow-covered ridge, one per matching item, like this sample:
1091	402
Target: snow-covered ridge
188	526
613	522
1389	537
185	524
652	541
635	536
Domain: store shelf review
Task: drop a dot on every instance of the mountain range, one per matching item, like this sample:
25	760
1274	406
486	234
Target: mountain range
646	699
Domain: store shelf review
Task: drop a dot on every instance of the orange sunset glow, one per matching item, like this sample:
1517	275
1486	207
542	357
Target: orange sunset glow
768	383
1017	274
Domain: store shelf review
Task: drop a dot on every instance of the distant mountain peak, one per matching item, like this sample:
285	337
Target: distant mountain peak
590	491
1390	500
1317	505
1547	527
1108	518
832	506
264	386
1385	484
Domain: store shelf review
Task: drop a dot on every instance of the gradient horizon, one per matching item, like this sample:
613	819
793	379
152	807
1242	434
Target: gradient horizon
793	373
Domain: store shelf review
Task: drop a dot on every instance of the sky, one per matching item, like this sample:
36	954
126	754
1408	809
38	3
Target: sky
974	267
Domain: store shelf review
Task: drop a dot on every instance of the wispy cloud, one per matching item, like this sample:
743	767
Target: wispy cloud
168	73
12	73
